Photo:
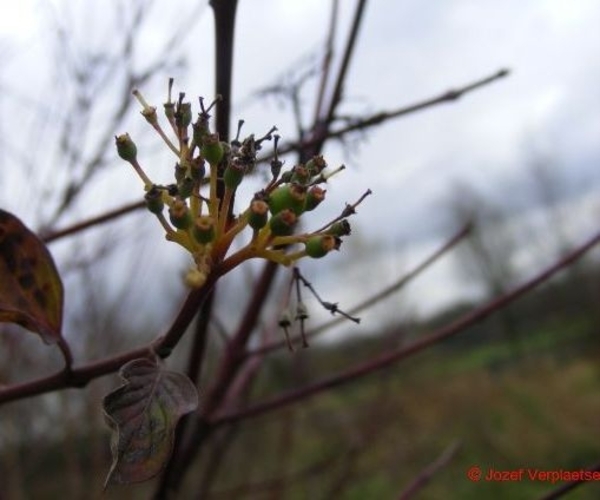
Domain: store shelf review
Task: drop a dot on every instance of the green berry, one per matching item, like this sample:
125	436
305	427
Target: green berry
314	196
301	174
185	187
316	165
234	174
204	229
320	245
259	212
180	215
288	196
212	149
154	201
341	228
126	148
283	223
183	114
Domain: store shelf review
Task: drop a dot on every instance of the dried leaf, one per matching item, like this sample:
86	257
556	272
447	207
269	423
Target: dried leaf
143	415
31	291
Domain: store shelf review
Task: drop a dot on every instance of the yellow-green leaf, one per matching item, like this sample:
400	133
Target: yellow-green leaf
31	291
143	415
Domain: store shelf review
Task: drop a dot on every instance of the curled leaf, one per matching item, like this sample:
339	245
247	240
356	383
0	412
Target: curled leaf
143	414
31	291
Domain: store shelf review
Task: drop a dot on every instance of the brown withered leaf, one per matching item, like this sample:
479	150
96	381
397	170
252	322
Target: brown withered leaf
143	414
31	291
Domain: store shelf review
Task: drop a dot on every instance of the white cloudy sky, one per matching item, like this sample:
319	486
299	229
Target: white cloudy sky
408	50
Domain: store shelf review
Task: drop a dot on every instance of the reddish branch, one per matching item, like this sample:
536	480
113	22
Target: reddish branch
80	377
569	486
336	95
327	59
94	221
451	95
389	358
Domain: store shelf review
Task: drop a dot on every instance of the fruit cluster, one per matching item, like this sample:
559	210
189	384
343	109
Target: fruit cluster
207	174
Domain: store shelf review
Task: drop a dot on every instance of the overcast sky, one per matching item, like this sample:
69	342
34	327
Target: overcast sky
408	50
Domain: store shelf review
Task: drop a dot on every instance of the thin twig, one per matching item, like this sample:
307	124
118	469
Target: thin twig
389	358
451	95
94	221
386	292
421	480
567	487
336	97
327	59
80	377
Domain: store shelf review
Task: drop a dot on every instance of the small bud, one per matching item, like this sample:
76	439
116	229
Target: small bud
285	321
180	215
285	318
314	196
149	113
154	201
126	148
302	311
341	228
195	278
169	110
287	176
234	174
185	187
212	149
291	196
197	168
180	172
183	114
301	174
204	229
276	168
200	129
283	223
320	245
316	165
258	214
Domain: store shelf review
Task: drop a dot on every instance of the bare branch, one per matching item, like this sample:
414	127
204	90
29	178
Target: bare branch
327	58
322	126
94	221
419	482
80	377
383	116
567	487
336	97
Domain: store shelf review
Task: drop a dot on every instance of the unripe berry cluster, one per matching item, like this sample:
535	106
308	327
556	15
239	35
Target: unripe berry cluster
207	174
